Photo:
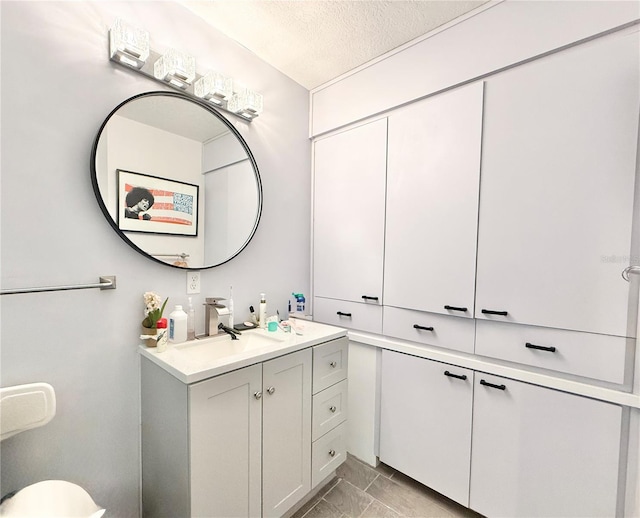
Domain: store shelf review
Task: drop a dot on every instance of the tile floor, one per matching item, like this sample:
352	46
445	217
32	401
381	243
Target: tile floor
360	491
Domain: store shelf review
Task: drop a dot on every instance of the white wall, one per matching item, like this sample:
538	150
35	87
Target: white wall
57	88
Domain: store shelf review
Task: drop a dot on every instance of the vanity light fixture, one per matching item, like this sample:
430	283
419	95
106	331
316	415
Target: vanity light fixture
214	87
129	46
245	102
175	67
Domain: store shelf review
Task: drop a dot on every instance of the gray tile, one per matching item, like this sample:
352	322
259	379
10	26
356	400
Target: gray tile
356	472
379	510
403	500
349	499
315	498
385	470
451	507
324	509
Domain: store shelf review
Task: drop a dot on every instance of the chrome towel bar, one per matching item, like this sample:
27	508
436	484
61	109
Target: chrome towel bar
107	282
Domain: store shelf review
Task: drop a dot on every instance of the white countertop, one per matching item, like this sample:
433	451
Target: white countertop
200	359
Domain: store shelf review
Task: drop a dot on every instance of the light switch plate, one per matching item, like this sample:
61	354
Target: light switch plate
193	283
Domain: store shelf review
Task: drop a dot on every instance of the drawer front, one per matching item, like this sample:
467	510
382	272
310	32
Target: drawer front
330	362
446	331
329	409
600	357
351	315
327	453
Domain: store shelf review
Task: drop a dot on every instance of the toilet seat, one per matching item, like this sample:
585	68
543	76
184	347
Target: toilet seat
51	499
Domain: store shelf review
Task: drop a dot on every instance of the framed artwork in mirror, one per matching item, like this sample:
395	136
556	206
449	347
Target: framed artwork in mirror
156	205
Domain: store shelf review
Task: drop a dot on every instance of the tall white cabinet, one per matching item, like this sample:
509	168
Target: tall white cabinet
348	230
433	183
558	176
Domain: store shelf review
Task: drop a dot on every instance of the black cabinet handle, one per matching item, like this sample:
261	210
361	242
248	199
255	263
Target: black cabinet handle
457	376
454	308
340	313
367	297
487	384
424	328
551	349
491	312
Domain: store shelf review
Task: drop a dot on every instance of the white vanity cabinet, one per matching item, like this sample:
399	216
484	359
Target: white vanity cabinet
538	452
237	444
348	216
556	197
425	422
433	182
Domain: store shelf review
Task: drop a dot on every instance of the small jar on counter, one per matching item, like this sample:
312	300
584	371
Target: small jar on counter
163	335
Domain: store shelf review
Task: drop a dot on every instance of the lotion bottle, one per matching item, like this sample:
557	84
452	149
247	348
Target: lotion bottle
262	315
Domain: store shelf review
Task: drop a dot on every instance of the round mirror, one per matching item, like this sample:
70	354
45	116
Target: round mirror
176	180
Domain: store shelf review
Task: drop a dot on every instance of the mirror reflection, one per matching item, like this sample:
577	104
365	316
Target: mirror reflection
176	180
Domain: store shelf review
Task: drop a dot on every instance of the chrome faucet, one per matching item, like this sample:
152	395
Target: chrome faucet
214	314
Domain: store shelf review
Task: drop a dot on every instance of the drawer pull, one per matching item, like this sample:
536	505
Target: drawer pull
487	384
271	390
457	376
454	308
491	312
332	453
333	409
340	313
367	297
257	395
551	349
333	364
423	328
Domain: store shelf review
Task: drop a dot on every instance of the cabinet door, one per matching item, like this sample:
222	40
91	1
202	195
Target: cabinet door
556	198
432	203
348	232
225	454
286	455
425	426
539	452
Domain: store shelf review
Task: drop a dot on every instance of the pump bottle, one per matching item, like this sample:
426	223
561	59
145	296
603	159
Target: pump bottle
262	316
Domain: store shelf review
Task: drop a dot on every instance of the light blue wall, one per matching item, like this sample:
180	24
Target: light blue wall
57	87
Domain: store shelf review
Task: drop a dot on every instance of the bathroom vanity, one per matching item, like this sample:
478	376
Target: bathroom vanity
245	427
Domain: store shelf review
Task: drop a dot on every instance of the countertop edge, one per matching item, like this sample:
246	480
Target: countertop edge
476	363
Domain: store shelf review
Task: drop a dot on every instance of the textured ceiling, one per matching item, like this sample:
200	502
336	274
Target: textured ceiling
314	41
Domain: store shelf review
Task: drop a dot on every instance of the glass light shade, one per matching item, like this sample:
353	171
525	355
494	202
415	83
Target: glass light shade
129	45
214	87
175	67
246	102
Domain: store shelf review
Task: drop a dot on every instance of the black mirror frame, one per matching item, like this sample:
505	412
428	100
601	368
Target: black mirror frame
234	131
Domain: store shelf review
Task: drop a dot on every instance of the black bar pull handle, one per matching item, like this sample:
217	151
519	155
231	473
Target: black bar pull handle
487	384
368	297
457	376
340	313
423	328
455	308
491	312
551	348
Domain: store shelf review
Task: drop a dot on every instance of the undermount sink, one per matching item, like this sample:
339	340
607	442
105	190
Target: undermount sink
216	347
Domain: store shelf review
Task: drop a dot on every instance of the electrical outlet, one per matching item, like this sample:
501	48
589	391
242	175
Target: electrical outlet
193	283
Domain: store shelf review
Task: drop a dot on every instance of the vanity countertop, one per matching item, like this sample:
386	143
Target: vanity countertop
200	359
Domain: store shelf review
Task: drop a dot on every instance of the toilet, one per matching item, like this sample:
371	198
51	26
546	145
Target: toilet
23	407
